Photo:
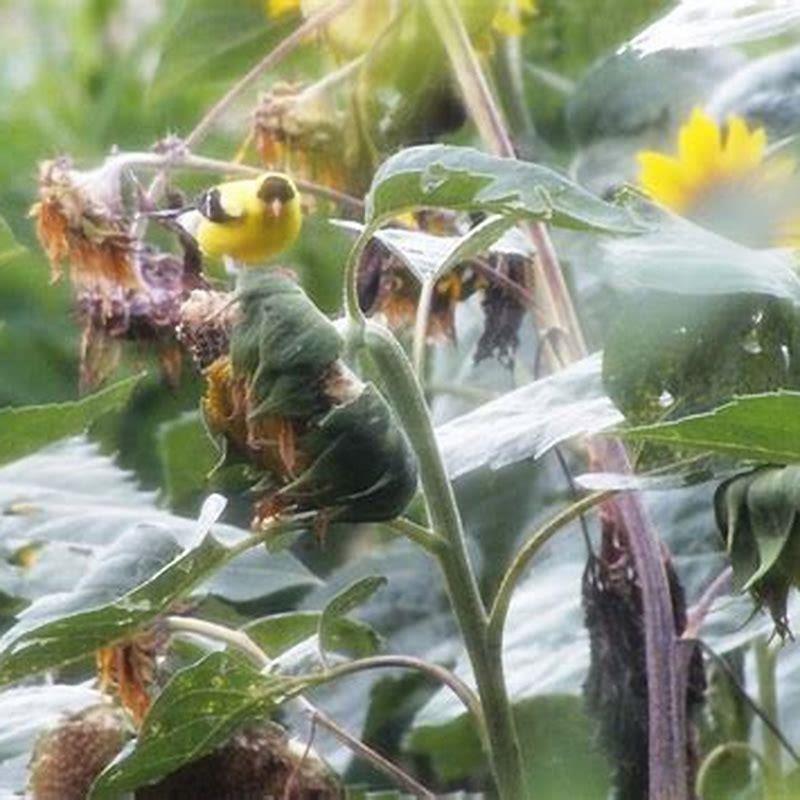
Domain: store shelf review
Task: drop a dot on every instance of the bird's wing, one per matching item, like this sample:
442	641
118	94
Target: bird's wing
218	207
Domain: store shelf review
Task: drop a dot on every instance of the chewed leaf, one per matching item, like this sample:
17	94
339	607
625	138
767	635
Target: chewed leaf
196	712
460	178
134	581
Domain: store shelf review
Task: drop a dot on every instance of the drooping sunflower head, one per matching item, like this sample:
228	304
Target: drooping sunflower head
722	176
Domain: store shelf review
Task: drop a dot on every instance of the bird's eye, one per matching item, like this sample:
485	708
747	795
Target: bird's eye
276	187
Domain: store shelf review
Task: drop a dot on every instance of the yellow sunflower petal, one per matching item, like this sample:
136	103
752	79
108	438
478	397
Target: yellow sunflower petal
278	8
700	147
662	177
744	149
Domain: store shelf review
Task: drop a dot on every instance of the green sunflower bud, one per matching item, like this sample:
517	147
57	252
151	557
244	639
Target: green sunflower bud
758	514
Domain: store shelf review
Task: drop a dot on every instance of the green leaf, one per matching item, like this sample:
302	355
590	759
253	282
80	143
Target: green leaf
72	503
669	355
693	25
340	605
187	456
560	756
197	711
280	632
214	42
9	248
762	427
25	430
131	583
528	421
460	178
681	258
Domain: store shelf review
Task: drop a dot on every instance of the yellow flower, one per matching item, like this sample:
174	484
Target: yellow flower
510	18
707	159
279	8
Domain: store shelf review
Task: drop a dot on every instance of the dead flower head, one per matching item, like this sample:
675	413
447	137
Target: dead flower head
123	289
80	222
301	132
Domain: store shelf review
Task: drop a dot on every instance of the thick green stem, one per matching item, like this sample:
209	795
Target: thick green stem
405	394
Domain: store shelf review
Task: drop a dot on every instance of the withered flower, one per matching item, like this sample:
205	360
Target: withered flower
80	221
67	759
128	669
616	685
387	288
300	131
256	763
123	289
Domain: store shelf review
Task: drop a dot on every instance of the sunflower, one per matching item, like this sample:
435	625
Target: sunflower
723	177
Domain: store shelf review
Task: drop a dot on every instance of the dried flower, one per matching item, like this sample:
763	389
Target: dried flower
67	759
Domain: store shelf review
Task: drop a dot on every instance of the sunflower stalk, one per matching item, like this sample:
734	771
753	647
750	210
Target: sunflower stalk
405	394
556	311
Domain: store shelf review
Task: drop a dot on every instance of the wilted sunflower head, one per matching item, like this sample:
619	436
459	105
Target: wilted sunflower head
722	176
301	132
79	220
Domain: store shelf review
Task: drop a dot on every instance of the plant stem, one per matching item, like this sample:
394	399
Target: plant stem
242	642
768	700
270	61
460	689
182	159
421	326
666	693
534	543
720	751
406	397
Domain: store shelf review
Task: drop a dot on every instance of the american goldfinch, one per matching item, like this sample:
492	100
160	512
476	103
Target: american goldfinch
249	220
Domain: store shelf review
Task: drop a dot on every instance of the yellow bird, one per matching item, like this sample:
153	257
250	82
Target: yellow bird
249	220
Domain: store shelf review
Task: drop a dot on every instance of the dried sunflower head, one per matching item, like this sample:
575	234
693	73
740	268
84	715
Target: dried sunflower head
67	759
123	289
80	221
256	763
302	132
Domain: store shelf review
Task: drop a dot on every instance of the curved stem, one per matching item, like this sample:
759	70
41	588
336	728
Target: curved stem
406	397
244	644
502	599
352	306
440	674
421	326
182	159
719	752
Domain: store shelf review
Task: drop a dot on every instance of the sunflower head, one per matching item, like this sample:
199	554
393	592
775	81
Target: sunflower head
723	177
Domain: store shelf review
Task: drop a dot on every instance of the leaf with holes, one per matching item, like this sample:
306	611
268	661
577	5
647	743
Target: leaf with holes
463	179
131	583
197	711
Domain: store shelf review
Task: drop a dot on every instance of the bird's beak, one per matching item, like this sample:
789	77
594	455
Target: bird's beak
275	207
